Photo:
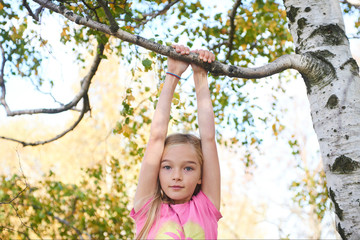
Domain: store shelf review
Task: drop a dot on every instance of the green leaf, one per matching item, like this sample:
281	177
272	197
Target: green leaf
147	64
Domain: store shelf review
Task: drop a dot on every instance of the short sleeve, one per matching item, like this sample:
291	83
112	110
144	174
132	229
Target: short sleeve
205	201
142	211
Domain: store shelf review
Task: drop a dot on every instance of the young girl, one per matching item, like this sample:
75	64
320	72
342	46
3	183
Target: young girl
178	194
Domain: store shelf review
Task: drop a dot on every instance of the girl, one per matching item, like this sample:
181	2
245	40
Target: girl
178	194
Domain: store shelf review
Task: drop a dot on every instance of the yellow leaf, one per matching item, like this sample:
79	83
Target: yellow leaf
1	6
63	33
127	130
161	86
217	88
282	127
274	129
43	43
107	47
244	46
175	101
131	98
130	28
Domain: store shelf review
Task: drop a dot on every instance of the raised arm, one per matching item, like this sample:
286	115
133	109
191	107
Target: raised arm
211	169
151	163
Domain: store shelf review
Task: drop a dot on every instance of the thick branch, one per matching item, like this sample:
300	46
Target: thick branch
284	62
232	26
83	91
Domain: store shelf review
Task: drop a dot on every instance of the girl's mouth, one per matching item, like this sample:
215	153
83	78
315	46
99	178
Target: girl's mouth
176	187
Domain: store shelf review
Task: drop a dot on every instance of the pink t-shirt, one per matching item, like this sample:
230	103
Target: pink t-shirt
196	219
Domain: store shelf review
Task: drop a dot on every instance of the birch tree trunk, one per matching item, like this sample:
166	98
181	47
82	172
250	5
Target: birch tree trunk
318	30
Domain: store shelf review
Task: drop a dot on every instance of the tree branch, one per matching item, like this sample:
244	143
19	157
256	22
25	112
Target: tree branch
36	15
10	202
82	94
63	221
82	113
2	81
13	230
355	4
113	25
154	15
232	26
298	62
83	91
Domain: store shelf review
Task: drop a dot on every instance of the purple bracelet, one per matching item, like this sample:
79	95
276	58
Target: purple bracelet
173	75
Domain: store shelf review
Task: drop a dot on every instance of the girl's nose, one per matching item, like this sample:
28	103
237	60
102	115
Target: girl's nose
177	175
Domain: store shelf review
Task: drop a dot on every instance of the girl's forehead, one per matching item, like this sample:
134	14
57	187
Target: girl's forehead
180	146
180	152
186	147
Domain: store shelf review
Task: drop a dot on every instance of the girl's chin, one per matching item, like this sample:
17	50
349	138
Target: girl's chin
178	199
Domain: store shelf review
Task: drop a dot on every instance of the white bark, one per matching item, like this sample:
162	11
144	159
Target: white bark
318	29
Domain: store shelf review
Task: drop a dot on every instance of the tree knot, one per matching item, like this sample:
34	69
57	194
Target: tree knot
344	165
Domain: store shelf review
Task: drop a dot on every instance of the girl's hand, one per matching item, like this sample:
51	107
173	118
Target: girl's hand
175	66
205	56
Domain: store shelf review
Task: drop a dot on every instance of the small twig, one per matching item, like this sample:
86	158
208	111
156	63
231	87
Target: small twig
82	94
92	9
10	202
2	81
232	27
155	14
13	230
84	88
26	183
113	25
63	221
52	139
36	15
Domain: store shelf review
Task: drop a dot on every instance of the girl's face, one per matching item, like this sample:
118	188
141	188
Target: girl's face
180	172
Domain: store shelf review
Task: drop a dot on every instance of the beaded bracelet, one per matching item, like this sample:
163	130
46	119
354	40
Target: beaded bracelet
173	75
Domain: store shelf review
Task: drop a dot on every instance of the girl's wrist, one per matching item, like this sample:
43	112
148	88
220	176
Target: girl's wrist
202	74
174	74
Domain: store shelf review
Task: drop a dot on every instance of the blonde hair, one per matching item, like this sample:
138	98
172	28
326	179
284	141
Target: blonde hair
160	196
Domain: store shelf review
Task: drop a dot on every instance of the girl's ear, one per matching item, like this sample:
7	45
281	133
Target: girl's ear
199	182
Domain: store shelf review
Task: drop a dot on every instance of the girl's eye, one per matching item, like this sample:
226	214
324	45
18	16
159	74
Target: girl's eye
167	167
188	168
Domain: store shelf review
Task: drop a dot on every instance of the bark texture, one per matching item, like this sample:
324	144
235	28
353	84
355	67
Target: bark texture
318	30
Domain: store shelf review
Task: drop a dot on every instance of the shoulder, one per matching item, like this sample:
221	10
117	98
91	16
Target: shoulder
139	212
204	204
